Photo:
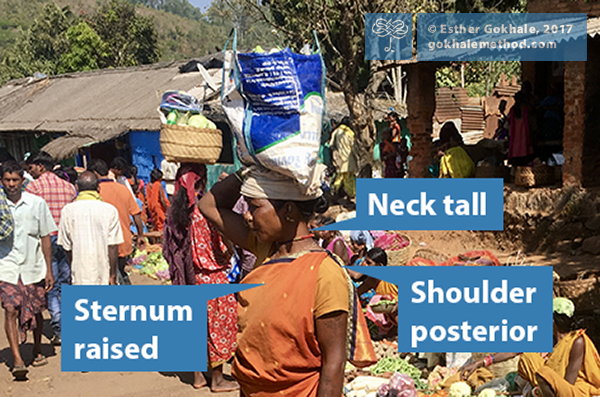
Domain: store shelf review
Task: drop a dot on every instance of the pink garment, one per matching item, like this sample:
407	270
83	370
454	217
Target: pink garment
382	320
519	140
332	244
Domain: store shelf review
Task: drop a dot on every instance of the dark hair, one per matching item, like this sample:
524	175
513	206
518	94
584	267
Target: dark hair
156	175
378	256
449	132
41	158
563	323
99	166
132	171
307	208
119	163
180	211
67	173
10	167
87	181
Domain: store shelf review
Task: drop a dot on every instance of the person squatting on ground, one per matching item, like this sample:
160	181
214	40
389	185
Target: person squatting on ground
25	267
57	193
571	370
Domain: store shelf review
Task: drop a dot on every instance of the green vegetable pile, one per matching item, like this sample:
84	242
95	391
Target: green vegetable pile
400	365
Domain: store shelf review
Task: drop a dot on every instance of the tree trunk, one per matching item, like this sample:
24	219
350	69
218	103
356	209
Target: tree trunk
361	110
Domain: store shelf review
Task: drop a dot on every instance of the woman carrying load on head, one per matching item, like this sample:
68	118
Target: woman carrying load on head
197	255
292	331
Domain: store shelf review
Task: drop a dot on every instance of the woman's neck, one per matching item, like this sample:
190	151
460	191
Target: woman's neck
301	241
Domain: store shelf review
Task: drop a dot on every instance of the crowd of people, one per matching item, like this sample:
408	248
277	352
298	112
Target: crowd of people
292	336
531	129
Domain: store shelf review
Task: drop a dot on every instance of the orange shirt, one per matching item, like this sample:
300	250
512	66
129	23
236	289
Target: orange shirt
119	196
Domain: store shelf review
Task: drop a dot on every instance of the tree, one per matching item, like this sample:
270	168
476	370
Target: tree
86	50
130	38
252	29
40	48
340	25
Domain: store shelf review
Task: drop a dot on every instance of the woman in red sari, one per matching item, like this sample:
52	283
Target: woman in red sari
197	255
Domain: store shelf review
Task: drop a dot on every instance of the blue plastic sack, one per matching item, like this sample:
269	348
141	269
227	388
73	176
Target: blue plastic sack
275	103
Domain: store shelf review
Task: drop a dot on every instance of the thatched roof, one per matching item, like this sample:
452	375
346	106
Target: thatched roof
93	107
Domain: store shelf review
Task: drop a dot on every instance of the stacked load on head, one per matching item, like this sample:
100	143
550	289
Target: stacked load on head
186	136
275	102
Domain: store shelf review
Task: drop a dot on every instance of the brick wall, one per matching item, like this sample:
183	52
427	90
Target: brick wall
421	105
574	129
591	7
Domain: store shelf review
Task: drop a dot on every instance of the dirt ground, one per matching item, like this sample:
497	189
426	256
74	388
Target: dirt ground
49	381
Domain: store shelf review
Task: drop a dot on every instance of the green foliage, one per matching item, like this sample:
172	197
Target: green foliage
480	77
130	38
86	49
60	42
224	15
177	7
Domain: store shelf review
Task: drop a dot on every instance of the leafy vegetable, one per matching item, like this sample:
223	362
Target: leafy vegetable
400	365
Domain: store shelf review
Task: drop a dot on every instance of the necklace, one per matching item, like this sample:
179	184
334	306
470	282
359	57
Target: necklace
299	238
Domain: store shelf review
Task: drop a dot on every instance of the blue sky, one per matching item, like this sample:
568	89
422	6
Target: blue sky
202	4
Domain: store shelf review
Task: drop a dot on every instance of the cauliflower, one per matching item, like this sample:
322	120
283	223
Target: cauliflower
460	389
487	393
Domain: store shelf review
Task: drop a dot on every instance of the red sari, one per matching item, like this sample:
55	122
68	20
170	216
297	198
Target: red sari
210	265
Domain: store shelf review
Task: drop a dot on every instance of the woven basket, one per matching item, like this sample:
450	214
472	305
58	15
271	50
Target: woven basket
183	144
535	176
499	370
431	255
584	292
399	257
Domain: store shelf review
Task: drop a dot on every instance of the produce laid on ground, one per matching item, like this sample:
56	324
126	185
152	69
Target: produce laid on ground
392	242
151	263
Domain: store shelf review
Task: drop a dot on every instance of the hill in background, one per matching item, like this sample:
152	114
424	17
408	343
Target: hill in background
179	37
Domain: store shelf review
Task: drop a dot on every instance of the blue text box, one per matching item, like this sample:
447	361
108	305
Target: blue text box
502	37
426	204
388	36
177	343
521	327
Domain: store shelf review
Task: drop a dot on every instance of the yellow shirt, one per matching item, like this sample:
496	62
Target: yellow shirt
385	288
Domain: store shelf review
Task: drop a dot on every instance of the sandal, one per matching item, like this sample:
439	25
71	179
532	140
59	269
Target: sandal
39	361
19	371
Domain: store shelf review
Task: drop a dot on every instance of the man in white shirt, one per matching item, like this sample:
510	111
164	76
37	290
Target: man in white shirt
90	234
25	266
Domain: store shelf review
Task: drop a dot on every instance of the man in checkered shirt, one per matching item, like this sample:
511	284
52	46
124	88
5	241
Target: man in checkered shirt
6	220
57	193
